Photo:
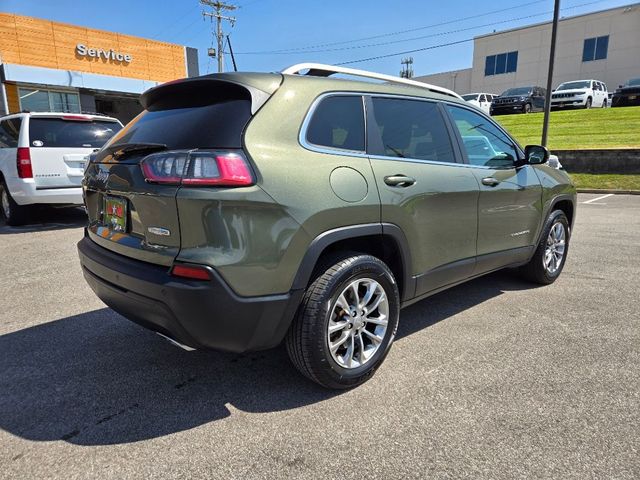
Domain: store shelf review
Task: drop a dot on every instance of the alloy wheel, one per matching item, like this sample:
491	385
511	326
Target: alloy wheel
555	248
358	323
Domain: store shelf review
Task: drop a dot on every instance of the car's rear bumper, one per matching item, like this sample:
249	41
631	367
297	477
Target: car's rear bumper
25	192
198	314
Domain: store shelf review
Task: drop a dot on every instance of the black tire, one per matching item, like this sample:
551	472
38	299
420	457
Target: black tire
307	340
527	108
535	270
12	213
604	103
588	104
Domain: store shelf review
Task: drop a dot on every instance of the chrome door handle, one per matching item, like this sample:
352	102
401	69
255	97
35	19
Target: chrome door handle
399	181
490	181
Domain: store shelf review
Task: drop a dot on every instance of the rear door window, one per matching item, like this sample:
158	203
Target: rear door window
410	129
58	132
10	132
338	122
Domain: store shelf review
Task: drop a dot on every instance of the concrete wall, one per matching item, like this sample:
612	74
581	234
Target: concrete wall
600	161
456	80
532	43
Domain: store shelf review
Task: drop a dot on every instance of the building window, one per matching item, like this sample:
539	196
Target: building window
501	63
595	48
36	100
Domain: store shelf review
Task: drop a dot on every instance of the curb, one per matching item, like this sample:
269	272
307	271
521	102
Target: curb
598	190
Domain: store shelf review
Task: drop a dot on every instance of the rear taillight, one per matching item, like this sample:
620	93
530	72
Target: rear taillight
198	168
193	272
24	163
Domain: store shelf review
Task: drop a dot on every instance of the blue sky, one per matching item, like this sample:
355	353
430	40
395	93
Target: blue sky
270	25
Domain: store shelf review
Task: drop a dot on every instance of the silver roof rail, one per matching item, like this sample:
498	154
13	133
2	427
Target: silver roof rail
322	70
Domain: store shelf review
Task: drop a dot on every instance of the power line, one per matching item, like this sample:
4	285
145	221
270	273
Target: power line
439	45
447	22
407	51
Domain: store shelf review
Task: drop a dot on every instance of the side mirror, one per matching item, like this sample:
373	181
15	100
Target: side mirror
536	154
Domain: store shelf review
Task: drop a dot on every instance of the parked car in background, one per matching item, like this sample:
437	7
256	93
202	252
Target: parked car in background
627	94
43	156
580	94
480	100
519	100
214	238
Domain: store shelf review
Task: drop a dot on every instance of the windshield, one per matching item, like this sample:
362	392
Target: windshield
58	132
516	91
574	85
634	82
470	96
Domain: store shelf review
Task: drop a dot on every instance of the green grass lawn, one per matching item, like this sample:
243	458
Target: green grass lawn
578	129
606	181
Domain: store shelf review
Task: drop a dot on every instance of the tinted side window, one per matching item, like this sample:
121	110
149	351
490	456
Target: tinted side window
411	129
9	133
338	122
485	144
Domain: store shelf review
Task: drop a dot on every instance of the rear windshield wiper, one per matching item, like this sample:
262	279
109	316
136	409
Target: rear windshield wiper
121	149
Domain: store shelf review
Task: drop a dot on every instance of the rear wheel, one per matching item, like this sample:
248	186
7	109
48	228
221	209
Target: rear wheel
12	213
550	255
346	323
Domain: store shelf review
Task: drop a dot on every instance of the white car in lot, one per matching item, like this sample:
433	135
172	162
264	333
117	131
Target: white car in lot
480	100
43	156
580	94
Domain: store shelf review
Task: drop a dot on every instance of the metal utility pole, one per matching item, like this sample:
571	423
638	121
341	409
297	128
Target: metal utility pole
407	68
218	9
552	56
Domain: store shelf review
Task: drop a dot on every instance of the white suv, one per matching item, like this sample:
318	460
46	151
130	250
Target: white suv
580	93
480	100
42	158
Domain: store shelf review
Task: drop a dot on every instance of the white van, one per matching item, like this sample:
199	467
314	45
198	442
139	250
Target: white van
580	94
42	158
480	100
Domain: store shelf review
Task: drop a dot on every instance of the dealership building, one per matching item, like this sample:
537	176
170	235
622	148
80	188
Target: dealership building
602	45
51	66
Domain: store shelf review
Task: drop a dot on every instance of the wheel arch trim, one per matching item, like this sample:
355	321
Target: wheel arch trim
330	237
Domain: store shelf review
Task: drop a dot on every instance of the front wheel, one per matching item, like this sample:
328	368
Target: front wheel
604	103
551	253
588	104
527	108
346	323
12	213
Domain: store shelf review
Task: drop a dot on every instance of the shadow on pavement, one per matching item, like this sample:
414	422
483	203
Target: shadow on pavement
45	217
97	379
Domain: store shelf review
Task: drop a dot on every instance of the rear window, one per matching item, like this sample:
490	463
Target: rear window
56	132
215	125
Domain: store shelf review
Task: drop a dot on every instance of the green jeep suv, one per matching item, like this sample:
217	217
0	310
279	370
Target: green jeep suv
241	210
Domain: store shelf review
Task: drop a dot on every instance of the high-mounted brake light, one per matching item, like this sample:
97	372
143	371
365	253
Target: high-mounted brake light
24	163
198	168
77	118
193	272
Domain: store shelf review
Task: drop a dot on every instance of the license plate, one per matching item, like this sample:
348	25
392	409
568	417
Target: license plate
632	97
115	213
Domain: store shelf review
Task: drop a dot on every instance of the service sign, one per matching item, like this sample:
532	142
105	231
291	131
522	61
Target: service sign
109	55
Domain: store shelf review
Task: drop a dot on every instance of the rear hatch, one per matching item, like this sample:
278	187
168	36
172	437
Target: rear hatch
190	133
59	147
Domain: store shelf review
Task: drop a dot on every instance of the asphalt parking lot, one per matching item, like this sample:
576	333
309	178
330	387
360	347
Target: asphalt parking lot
492	379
